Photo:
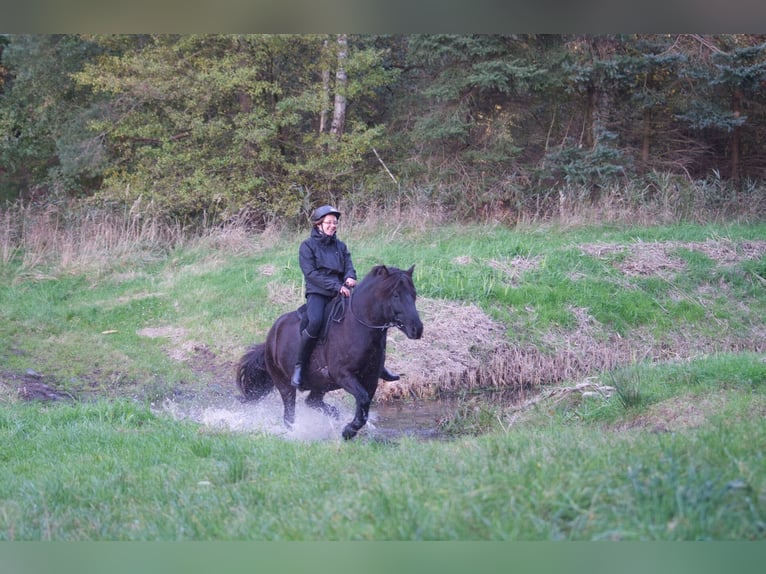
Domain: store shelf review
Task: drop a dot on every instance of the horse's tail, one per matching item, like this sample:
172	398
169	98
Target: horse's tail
253	380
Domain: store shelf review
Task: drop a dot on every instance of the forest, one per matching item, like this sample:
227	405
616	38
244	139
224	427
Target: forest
261	128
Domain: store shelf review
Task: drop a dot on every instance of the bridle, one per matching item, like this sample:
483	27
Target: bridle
397	324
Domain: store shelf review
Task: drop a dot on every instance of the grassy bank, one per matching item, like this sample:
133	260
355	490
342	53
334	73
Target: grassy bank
116	471
640	351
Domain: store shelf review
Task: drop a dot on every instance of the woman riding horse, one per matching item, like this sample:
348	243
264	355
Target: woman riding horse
350	355
328	270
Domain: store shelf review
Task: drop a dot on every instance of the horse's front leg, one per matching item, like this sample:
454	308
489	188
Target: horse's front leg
315	400
363	399
287	391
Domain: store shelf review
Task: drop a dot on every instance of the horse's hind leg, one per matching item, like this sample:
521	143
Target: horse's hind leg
315	400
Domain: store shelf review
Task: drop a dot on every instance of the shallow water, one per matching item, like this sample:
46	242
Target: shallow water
387	421
417	419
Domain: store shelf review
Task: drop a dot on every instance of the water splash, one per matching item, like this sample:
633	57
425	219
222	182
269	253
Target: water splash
231	414
223	410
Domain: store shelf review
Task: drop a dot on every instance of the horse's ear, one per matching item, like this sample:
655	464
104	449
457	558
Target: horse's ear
410	270
381	270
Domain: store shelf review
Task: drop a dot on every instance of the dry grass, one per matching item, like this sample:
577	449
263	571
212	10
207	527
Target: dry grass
75	236
71	238
656	200
656	258
463	349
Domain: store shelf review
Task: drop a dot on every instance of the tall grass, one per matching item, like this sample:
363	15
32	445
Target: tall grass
78	234
72	238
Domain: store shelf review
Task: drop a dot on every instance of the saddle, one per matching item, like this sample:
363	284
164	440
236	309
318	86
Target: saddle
334	312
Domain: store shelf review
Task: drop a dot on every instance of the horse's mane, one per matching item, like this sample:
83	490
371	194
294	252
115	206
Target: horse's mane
391	277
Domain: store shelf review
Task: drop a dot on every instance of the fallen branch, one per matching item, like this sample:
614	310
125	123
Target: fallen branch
391	175
586	389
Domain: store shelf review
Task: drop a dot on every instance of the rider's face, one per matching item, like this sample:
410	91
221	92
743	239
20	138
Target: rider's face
329	225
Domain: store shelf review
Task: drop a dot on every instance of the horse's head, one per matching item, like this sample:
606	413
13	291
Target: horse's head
397	293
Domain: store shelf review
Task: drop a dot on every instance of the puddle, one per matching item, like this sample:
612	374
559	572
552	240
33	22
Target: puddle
388	420
418	419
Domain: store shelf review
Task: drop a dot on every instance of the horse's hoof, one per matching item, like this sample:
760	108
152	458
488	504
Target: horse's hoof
349	432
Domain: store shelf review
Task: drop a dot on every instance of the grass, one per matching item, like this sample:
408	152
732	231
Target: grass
672	452
132	475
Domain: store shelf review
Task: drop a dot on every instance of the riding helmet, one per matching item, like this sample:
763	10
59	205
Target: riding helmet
320	212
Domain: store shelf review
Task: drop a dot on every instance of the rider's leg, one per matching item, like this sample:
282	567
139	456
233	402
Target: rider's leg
315	305
308	342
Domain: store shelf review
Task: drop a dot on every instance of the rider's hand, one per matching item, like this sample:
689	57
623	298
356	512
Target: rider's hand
345	291
350	282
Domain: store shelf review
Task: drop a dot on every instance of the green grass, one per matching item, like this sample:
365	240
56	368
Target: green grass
639	386
625	467
114	471
222	300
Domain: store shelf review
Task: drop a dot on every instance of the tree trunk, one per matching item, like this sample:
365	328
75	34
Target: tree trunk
341	81
588	131
599	99
736	137
646	132
325	91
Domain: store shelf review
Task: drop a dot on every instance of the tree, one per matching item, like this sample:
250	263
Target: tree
476	106
741	77
724	104
207	125
43	145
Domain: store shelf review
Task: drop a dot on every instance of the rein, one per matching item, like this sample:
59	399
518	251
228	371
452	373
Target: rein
360	321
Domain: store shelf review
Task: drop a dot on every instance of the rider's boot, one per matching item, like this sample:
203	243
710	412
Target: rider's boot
307	345
385	374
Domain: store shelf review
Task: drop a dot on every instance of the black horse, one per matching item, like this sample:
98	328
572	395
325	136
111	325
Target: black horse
349	356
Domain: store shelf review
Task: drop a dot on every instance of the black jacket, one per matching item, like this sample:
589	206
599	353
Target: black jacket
325	262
